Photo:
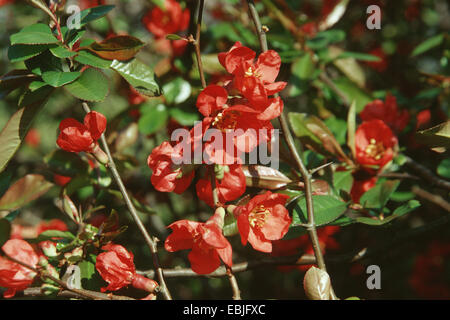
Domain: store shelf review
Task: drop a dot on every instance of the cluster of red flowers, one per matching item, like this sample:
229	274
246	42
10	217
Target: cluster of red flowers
250	109
376	141
170	20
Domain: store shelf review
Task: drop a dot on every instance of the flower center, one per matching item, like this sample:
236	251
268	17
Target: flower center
226	121
257	217
252	73
375	149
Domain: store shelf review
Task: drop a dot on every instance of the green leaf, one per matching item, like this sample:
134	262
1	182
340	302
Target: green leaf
437	136
353	93
377	197
91	86
5	231
59	78
49	234
13	80
406	208
38	33
343	180
94	13
323	39
90	59
66	163
185	118
153	118
5	181
123	47
348	66
428	44
173	37
398	212
44	62
443	168
314	133
358	56
17	126
177	91
326	210
62	52
20	52
35	85
303	71
23	191
139	75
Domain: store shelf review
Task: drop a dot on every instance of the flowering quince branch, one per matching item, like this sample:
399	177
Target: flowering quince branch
196	42
290	142
151	242
38	270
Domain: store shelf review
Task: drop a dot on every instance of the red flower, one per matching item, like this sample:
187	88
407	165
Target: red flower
85	4
14	276
33	138
240	120
61	180
168	177
170	20
135	97
255	80
54	224
116	267
231	187
386	111
263	220
374	143
206	240
380	65
360	186
77	137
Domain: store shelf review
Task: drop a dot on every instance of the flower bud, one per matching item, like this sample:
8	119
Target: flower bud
48	248
143	283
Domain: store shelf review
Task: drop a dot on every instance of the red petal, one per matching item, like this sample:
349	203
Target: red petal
203	261
211	99
268	65
96	123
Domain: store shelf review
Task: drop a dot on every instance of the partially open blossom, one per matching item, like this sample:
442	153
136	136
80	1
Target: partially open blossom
75	136
386	111
229	188
167	176
263	220
116	267
14	276
374	143
255	80
161	22
206	240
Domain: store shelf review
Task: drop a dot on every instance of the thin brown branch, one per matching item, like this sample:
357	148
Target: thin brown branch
324	77
196	42
433	198
236	268
151	241
426	174
234	284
